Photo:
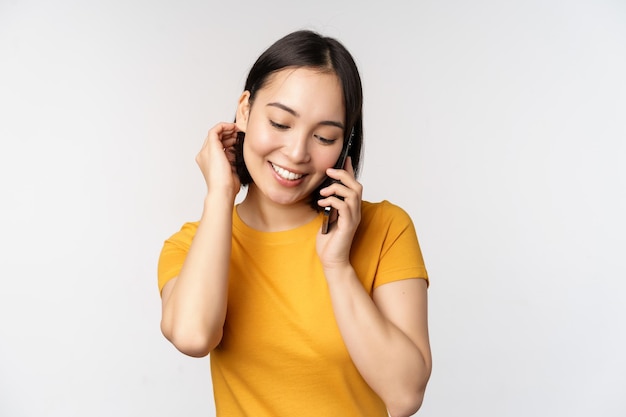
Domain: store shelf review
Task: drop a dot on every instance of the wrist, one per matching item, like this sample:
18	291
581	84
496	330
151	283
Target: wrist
337	270
217	201
225	193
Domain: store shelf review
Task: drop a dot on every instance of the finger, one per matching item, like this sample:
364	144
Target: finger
341	174
229	142
340	205
339	192
221	130
220	133
225	127
344	178
342	212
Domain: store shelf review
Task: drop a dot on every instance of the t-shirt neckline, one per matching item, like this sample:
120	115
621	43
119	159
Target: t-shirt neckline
300	233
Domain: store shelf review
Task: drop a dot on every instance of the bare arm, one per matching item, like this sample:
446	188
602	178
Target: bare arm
194	303
386	334
387	337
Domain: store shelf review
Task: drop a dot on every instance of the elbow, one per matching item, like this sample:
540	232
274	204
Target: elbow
406	406
406	402
196	347
195	343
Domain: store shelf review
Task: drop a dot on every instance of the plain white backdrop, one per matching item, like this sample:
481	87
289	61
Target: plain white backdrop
498	125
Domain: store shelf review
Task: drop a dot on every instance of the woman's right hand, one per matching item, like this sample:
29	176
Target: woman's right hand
194	302
216	160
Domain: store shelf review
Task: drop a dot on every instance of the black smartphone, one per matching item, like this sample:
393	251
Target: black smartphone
329	211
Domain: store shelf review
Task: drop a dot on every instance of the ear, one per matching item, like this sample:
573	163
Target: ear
243	111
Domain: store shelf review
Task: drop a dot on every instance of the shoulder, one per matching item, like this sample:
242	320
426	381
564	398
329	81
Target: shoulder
385	246
384	222
184	236
383	213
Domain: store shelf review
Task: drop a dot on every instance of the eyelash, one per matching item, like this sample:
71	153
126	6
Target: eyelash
278	125
318	137
324	140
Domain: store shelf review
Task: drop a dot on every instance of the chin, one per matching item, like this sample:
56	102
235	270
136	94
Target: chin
289	200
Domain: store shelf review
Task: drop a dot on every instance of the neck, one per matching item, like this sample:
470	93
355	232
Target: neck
267	216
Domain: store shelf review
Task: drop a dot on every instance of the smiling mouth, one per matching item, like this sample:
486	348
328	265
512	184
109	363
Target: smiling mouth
287	175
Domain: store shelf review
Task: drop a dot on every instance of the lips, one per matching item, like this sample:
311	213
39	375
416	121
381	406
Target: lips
286	174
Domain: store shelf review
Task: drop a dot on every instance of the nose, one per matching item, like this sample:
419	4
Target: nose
297	148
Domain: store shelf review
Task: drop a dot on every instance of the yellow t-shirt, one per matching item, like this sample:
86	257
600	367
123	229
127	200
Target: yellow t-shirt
281	353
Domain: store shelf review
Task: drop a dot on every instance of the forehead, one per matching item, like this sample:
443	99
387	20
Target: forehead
304	90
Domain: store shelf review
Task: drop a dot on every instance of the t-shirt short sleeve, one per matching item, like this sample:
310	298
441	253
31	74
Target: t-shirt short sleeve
174	253
400	256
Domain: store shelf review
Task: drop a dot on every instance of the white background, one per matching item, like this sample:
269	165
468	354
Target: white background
500	126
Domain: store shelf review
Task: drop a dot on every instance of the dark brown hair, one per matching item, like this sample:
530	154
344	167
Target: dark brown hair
309	49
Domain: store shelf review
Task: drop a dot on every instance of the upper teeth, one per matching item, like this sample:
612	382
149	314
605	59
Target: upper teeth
288	175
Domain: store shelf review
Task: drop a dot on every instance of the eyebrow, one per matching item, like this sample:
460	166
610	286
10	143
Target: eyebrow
296	114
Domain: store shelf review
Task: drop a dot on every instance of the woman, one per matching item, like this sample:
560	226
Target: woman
298	322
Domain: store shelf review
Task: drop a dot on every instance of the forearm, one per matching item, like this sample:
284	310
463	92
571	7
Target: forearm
195	310
389	361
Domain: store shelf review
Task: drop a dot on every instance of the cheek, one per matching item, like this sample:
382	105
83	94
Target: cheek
328	158
258	143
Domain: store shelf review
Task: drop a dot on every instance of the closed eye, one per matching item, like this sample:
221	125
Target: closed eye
324	140
278	125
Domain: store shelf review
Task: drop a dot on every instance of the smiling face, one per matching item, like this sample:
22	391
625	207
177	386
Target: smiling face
294	132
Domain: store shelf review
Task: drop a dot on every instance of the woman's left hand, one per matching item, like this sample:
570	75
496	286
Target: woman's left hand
333	248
